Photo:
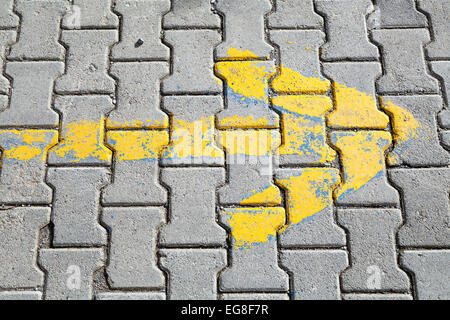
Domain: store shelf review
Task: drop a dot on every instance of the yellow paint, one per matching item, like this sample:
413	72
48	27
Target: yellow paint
290	81
82	140
136	124
362	157
239	54
193	140
404	127
137	145
355	109
25	145
298	126
270	196
247	78
308	192
249	142
250	226
248	122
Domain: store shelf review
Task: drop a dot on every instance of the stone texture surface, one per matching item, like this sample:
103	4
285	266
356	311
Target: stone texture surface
224	149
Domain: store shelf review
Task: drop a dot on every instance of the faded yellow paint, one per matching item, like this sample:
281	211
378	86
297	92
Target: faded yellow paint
248	122
137	145
136	124
290	81
270	196
362	157
234	53
193	139
246	78
303	125
250	226
28	144
249	142
404	128
308	192
355	109
82	140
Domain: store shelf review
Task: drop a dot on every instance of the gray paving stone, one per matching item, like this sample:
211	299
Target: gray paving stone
423	148
377	296
81	131
431	271
315	273
32	93
299	52
76	205
192	207
39	29
355	110
439	12
141	30
20	295
90	14
251	112
8	19
395	14
345	22
87	62
426	206
373	263
249	175
192	62
442	69
376	190
132	255
19	233
70	272
403	48
244	29
254	296
7	38
4	100
295	14
23	166
130	296
317	230
193	14
193	131
254	266
445	138
193	272
138	96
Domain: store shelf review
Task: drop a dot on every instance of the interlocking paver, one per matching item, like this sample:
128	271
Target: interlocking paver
345	22
31	98
70	272
140	30
401	49
90	13
295	14
373	265
224	149
87	62
439	12
19	229
397	14
133	246
309	265
39	29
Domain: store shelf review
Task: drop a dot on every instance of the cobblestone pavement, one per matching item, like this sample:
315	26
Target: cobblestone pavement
227	149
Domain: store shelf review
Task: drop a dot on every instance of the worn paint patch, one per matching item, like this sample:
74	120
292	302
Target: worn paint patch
25	145
404	127
290	81
137	145
308	192
355	109
303	127
250	226
240	54
258	143
362	157
83	140
270	196
147	124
